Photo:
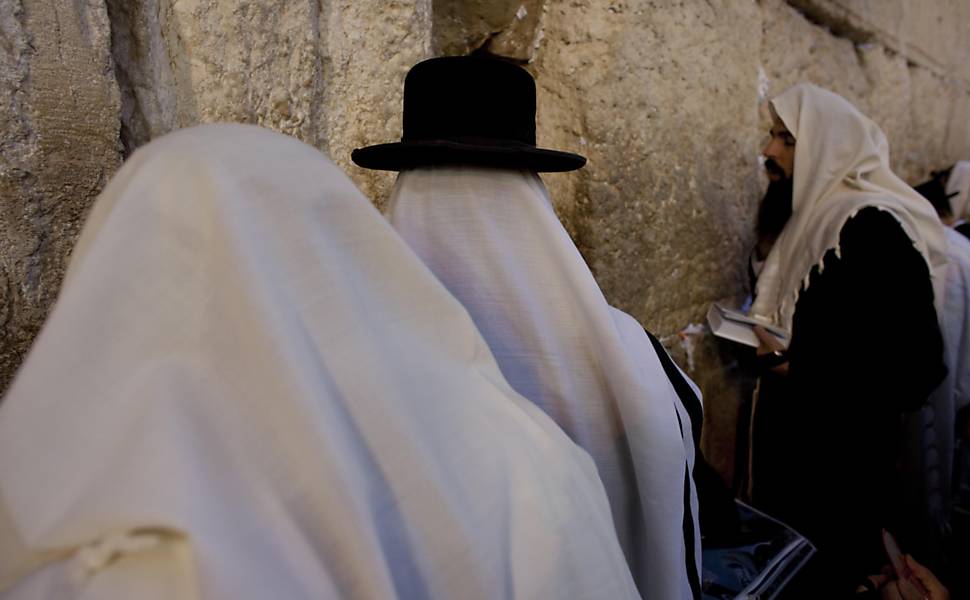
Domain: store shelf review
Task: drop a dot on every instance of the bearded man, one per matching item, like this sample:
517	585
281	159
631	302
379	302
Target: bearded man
852	272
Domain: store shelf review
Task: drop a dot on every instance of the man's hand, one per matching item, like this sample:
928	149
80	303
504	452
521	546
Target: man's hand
771	350
902	589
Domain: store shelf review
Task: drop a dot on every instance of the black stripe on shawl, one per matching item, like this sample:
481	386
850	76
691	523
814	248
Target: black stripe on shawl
692	576
688	524
692	405
690	401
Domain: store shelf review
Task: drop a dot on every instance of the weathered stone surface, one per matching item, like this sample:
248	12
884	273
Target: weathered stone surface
663	101
328	73
666	111
58	145
666	99
370	47
507	28
956	138
793	50
919	110
927	33
189	62
521	40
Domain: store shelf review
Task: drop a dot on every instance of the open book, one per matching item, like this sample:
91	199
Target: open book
757	564
738	327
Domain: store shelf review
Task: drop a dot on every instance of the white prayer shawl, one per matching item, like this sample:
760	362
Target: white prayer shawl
956	319
492	237
959	182
251	388
841	167
932	433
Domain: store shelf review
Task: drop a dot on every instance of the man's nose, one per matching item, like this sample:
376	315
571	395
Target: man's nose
771	149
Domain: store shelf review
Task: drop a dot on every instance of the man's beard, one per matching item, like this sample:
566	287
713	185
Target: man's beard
773	214
774	168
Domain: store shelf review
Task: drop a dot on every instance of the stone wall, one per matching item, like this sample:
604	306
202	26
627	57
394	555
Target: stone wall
665	98
59	126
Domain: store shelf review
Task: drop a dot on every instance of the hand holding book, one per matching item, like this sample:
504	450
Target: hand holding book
738	327
771	352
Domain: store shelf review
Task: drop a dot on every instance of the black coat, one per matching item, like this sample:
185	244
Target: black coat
866	348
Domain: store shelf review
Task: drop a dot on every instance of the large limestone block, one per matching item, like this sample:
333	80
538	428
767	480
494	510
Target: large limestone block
189	62
507	28
930	34
371	45
58	145
663	102
922	112
662	98
328	73
794	49
957	136
932	112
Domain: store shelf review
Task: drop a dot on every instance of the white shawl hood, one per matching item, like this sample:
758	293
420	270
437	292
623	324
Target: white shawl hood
841	167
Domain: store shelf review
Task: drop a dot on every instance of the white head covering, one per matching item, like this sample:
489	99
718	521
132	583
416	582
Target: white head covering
959	182
841	167
251	388
492	237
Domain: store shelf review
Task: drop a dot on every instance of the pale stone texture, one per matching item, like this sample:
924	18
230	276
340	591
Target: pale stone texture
666	98
328	73
58	145
662	99
371	44
930	34
507	28
189	62
923	112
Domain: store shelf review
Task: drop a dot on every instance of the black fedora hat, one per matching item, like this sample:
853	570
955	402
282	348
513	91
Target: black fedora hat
467	110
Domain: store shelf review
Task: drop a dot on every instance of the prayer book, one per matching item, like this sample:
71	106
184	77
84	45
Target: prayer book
738	327
757	563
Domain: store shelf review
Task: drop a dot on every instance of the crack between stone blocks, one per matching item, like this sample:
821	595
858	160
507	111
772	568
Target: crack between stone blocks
841	26
117	27
838	25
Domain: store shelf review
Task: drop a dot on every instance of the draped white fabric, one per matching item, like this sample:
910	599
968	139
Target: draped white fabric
956	318
251	388
930	444
959	183
492	237
841	167
954	393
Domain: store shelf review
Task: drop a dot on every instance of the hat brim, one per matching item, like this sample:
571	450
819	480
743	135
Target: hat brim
399	156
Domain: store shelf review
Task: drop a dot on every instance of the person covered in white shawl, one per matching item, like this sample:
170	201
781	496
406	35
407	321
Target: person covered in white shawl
856	274
469	202
251	388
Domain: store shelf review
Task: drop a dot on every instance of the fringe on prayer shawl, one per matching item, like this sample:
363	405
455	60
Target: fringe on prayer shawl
820	265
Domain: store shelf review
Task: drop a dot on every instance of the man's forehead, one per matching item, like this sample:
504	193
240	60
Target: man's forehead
779	128
777	125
